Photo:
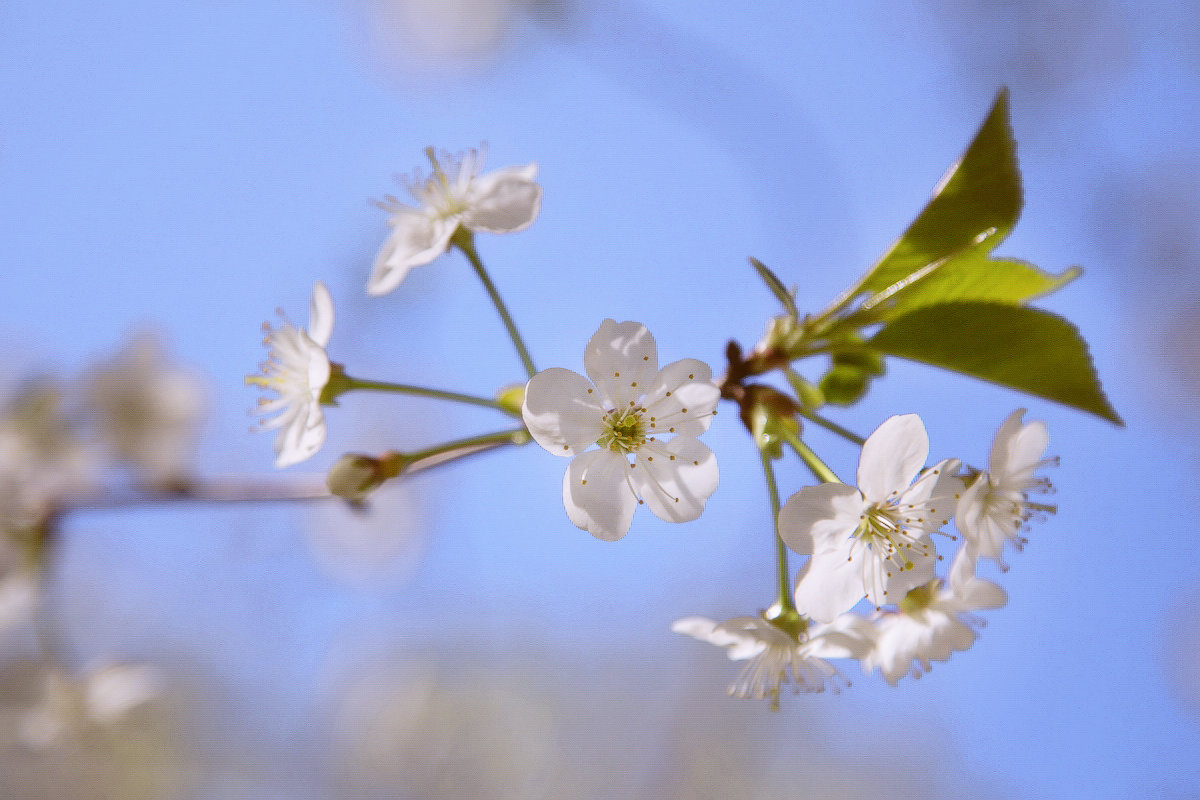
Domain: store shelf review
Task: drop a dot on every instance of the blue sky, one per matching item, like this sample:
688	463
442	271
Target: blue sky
192	166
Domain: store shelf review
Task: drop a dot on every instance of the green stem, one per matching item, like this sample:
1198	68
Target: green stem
829	425
819	469
351	384
460	448
465	241
783	604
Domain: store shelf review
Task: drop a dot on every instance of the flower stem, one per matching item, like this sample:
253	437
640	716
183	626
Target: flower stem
783	603
465	241
819	468
829	425
430	457
351	383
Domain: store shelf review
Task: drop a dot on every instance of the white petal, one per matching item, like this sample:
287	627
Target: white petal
978	594
320	315
504	201
829	584
562	411
817	517
974	519
682	398
848	636
1018	449
622	360
892	456
935	494
416	239
318	369
899	582
676	479
597	494
302	438
697	627
962	567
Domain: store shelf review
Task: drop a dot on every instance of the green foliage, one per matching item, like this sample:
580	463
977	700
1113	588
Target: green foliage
969	276
809	394
1026	349
776	286
850	374
976	203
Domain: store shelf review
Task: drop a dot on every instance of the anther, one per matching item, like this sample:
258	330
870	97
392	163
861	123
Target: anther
616	374
692	376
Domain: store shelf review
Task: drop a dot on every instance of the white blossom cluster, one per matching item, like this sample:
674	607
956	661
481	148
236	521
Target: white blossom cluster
128	421
878	542
630	430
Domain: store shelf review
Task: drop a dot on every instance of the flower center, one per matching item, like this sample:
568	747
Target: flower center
880	529
626	430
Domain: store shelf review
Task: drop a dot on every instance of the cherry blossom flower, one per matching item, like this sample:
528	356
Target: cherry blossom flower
874	540
996	505
932	622
504	201
147	409
296	370
631	409
776	657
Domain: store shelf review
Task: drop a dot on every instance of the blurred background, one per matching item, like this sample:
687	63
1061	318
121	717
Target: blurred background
172	172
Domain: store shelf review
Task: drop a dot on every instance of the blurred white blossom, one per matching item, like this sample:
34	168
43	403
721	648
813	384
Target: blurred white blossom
43	457
147	410
102	697
775	657
932	622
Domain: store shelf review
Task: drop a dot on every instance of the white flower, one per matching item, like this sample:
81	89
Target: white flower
297	369
874	540
933	621
996	505
503	201
628	408
777	657
102	697
147	409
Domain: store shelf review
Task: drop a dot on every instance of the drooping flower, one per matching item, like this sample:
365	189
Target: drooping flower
996	505
504	201
296	370
631	409
147	408
874	540
776	657
932	622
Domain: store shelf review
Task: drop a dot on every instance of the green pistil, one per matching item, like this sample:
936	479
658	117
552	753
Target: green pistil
626	431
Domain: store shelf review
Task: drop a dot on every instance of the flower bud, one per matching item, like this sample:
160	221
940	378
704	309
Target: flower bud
356	475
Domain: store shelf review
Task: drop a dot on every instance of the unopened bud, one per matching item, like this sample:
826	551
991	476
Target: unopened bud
356	475
511	398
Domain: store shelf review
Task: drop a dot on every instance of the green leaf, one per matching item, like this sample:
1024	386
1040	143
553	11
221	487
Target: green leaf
1026	349
969	276
776	286
978	200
